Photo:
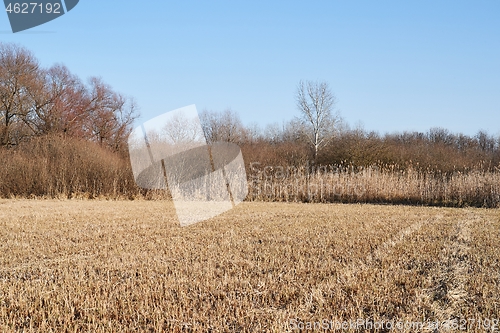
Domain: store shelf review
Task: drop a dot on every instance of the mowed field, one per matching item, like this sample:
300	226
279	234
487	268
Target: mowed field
127	266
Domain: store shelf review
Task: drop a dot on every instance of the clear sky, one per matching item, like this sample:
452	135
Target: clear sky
393	65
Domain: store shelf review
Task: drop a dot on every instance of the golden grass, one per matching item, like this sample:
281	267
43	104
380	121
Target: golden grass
123	266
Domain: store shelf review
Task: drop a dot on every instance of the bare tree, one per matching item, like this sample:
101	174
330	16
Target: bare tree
253	133
316	102
58	103
19	71
180	130
485	141
110	115
35	101
222	126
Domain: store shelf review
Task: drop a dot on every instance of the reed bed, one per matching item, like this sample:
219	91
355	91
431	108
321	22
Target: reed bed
55	167
373	184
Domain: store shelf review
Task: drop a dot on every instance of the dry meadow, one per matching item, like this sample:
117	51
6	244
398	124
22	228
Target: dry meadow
127	266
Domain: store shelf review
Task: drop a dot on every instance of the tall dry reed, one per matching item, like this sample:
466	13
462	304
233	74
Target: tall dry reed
58	167
388	184
71	168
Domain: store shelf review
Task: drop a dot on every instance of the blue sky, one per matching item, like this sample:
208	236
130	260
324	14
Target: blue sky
393	65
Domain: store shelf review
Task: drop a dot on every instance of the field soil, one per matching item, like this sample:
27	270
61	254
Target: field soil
123	266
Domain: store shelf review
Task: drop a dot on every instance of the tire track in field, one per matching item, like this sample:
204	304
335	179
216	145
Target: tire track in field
352	272
386	247
448	294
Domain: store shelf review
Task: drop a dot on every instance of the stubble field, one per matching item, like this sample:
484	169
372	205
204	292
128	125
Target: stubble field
127	266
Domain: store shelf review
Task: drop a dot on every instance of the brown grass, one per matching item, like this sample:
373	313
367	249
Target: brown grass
123	266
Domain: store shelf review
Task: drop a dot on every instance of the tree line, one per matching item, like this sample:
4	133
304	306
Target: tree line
60	135
296	143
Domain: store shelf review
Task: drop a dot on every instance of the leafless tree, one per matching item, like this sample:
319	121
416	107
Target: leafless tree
222	126
110	115
253	133
316	102
58	103
35	101
18	74
485	141
183	131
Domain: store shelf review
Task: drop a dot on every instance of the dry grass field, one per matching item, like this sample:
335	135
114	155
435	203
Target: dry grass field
126	266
